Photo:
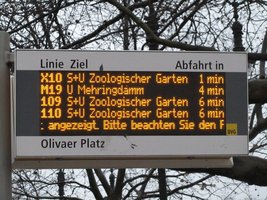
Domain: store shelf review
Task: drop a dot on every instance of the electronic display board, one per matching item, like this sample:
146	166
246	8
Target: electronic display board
129	104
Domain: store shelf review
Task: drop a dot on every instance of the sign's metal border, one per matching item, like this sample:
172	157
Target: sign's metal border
199	158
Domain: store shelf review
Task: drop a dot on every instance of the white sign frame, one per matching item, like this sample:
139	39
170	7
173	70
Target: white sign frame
130	151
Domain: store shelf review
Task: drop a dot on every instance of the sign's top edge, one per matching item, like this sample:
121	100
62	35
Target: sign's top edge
130	60
131	51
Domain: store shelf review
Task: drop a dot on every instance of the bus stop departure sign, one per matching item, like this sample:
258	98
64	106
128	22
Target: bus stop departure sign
134	105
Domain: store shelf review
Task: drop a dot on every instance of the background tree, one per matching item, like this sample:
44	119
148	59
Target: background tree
173	25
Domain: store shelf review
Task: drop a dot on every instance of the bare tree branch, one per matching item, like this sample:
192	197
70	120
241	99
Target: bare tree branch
250	169
119	184
93	184
257	91
103	180
155	38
